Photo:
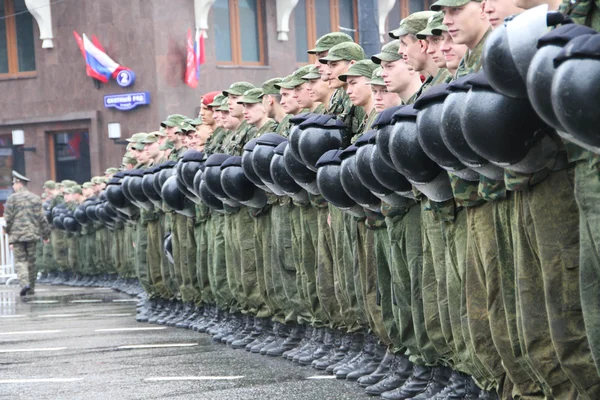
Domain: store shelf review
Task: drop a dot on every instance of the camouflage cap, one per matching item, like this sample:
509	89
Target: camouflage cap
347	51
412	24
172	120
360	68
110	171
98	180
269	86
224	105
326	42
168	145
160	132
67	183
376	78
251	96
238	89
51	185
437	6
137	137
295	79
88	185
74	189
196	121
128	158
150	138
313	73
388	53
435	22
217	101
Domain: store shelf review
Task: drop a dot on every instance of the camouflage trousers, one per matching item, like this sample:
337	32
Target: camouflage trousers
141	260
262	252
218	272
202	262
548	268
60	250
587	194
24	259
184	253
155	256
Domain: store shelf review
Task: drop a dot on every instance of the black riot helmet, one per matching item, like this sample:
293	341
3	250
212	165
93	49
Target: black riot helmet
330	184
303	176
163	172
499	128
192	162
364	170
238	186
80	215
282	179
452	132
387	175
296	133
352	183
209	198
384	125
148	187
90	211
261	159
248	167
212	178
319	135
103	215
115	195
573	99
58	222
410	159
136	190
177	200
125	187
429	120
182	185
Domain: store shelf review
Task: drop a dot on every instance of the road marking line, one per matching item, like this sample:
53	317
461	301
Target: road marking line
321	377
125	300
70	290
193	378
46	380
30	332
86	301
152	346
32	350
12	316
42	290
131	329
58	315
115	315
42	302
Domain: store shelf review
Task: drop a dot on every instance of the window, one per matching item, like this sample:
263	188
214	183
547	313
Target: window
17	51
70	156
402	9
315	18
239	32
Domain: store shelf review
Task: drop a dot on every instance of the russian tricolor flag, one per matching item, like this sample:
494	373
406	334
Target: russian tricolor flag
98	64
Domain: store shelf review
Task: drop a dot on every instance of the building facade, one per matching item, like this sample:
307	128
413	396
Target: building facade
61	111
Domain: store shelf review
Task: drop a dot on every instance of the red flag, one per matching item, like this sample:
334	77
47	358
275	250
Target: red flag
190	71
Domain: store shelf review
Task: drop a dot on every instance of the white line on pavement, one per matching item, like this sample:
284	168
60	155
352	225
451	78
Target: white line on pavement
152	346
70	290
42	302
29	332
125	300
32	350
193	378
58	315
321	377
131	329
12	316
87	301
46	380
114	315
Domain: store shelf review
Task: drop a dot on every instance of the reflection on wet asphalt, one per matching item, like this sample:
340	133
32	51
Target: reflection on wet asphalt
84	343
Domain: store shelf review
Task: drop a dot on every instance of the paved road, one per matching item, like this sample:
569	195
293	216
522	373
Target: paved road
72	343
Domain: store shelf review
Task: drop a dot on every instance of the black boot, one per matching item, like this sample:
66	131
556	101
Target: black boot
460	386
379	373
420	380
370	366
341	346
248	327
304	343
274	339
315	341
292	334
355	351
265	338
438	384
400	371
320	351
364	358
253	332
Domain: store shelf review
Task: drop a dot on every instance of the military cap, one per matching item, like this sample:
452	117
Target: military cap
161	132
74	189
238	89
294	80
347	51
251	96
217	101
87	185
436	21
183	125
196	121
167	146
110	171
139	146
59	185
360	68
172	120
209	97
50	185
376	78
388	53
224	105
68	183
437	6
149	139
137	137
98	180
18	177
269	86
412	24
326	42
313	73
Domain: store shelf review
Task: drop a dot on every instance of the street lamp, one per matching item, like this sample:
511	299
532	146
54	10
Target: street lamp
114	133
18	139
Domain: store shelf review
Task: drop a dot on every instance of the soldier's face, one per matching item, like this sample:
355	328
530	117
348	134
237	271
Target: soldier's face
206	113
497	10
288	103
202	134
152	150
235	109
358	90
88	192
413	52
382	98
334	70
453	52
140	156
396	75
218	118
434	50
254	113
321	67
318	90
229	121
302	96
171	132
466	24
17	185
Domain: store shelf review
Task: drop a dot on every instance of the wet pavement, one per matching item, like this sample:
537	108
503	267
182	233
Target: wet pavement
84	343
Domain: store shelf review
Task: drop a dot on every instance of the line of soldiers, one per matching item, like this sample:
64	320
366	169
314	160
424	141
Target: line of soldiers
430	239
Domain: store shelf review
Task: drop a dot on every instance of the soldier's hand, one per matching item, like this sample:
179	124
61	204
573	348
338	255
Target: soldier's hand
329	220
10	247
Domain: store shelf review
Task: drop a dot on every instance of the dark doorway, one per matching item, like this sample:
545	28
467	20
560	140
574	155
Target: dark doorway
72	156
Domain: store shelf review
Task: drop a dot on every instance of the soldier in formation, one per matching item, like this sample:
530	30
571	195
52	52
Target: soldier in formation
422	221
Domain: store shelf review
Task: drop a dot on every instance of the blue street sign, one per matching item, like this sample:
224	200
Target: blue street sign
126	101
126	78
